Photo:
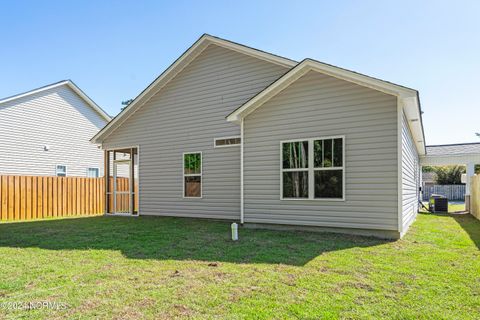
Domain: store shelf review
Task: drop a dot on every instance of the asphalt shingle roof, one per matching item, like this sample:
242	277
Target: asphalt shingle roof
453	149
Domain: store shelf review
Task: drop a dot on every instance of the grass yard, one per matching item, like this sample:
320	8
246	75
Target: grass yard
153	267
455	207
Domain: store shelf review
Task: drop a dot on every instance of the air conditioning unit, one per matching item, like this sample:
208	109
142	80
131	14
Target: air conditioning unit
438	203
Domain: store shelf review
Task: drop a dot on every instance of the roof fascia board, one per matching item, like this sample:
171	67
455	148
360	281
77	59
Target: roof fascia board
308	65
175	68
452	144
414	120
363	80
89	101
178	65
252	52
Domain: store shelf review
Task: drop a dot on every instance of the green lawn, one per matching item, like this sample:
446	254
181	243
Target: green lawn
106	267
456	207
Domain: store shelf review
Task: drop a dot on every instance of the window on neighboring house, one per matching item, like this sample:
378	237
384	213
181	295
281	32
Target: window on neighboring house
192	175
227	142
313	169
92	172
61	171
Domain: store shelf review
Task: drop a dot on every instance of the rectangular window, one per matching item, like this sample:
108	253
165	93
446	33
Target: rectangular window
61	171
313	169
227	142
295	169
192	175
92	173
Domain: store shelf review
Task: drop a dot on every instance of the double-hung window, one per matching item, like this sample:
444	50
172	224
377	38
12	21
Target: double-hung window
313	169
192	175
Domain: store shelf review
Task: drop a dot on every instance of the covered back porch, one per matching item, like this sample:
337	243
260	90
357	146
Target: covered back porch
465	154
122	181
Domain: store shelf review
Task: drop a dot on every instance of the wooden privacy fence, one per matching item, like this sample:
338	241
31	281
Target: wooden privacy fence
451	191
35	197
475	196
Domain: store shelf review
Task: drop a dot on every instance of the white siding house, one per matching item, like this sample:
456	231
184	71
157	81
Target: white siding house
309	145
46	132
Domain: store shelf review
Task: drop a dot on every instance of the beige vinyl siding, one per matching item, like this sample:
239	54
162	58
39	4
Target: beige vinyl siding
57	117
410	177
318	105
185	116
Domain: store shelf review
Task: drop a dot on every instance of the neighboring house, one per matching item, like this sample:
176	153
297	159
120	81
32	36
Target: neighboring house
231	132
429	178
46	132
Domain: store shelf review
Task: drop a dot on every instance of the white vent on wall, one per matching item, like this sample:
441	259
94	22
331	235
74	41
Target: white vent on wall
227	142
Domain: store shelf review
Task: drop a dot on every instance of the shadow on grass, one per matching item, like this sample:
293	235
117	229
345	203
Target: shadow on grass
165	238
470	225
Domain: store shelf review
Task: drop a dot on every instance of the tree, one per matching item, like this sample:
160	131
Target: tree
126	103
449	174
428	169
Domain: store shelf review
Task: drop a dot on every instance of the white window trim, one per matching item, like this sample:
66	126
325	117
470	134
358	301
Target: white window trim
97	168
192	175
311	170
227	145
56	170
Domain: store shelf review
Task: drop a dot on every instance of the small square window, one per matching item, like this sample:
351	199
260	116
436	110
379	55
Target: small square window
61	171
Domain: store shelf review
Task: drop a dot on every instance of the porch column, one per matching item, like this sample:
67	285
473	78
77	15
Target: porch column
470	173
132	181
106	176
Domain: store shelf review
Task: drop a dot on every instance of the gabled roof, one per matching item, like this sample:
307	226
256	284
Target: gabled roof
178	65
68	83
454	149
408	97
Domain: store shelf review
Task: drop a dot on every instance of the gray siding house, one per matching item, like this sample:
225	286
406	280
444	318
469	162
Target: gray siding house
231	132
46	132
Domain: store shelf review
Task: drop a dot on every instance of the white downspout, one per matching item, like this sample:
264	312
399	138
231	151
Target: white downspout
241	172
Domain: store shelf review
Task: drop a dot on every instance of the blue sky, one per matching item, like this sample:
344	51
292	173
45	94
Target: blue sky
114	49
